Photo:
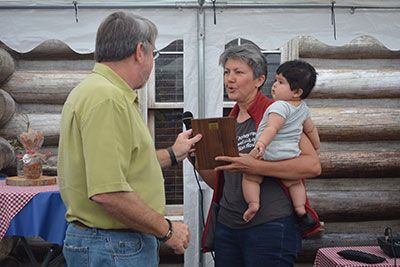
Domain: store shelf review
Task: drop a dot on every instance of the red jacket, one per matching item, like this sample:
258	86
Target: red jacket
256	112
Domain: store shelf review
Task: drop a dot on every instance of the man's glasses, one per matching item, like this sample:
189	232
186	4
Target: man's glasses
156	53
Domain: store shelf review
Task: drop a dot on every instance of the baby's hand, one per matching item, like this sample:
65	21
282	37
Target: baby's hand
254	153
260	148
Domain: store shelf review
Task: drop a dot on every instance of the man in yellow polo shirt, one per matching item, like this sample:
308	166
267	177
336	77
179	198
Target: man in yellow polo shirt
109	172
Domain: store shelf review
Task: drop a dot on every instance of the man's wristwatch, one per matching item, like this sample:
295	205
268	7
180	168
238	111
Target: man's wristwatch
168	235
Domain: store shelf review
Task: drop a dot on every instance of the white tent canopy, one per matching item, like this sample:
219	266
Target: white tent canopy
38	21
270	24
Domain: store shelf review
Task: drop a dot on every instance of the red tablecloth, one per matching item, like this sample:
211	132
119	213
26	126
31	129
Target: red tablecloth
328	257
14	198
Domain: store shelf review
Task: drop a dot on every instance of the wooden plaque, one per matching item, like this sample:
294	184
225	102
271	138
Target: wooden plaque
219	139
21	181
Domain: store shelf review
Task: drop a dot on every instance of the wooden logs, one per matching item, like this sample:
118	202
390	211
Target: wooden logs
7	156
355	164
357	124
52	87
362	47
360	164
7	66
45	87
357	83
375	226
7	107
351	199
354	103
334	124
47	123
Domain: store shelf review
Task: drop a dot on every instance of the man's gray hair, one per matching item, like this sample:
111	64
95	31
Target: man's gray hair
248	53
119	34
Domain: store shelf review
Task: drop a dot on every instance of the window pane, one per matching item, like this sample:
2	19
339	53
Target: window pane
168	124
175	46
274	60
169	73
226	111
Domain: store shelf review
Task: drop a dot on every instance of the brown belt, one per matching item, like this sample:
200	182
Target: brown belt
84	226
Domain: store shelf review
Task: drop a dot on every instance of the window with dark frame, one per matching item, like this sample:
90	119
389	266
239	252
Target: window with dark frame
167	120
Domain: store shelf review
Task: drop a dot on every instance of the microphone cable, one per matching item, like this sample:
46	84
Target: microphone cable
187	117
201	194
201	201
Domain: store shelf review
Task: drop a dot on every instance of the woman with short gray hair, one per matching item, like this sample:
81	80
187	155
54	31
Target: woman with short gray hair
272	237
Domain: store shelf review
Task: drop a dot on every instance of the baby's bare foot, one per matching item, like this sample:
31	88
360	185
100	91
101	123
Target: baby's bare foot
251	211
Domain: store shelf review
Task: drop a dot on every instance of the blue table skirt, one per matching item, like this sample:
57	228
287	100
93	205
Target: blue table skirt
43	216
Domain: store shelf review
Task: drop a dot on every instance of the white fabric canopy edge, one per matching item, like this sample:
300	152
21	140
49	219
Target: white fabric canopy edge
27	29
270	28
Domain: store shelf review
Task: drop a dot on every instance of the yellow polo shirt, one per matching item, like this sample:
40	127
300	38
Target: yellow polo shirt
105	146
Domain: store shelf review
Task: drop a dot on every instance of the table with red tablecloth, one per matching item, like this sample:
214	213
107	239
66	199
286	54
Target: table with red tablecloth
328	257
32	211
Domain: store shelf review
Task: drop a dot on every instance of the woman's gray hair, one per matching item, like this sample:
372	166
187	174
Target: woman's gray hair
248	53
119	34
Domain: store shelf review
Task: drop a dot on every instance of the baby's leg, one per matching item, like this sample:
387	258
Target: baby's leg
297	192
251	193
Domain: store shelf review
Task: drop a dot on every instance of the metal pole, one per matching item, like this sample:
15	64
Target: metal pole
201	59
192	4
201	98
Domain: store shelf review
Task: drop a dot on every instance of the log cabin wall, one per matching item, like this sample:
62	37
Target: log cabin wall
38	86
355	105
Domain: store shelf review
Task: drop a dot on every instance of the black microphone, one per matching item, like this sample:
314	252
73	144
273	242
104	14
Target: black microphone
187	119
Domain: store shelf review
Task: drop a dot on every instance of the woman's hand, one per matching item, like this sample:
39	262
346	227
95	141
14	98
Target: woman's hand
244	164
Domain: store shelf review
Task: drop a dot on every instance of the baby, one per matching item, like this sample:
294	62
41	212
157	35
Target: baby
279	134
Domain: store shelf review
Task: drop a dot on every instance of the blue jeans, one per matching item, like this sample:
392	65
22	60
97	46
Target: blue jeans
84	247
273	244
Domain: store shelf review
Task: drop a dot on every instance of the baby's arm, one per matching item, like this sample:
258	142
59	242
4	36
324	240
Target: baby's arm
274	124
311	131
258	151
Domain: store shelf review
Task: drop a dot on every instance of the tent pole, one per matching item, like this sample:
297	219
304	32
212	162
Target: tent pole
201	101
201	59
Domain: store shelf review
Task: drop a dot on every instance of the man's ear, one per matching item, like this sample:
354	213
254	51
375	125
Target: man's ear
298	92
139	52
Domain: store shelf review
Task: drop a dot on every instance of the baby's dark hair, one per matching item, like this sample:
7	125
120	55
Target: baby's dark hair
299	74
